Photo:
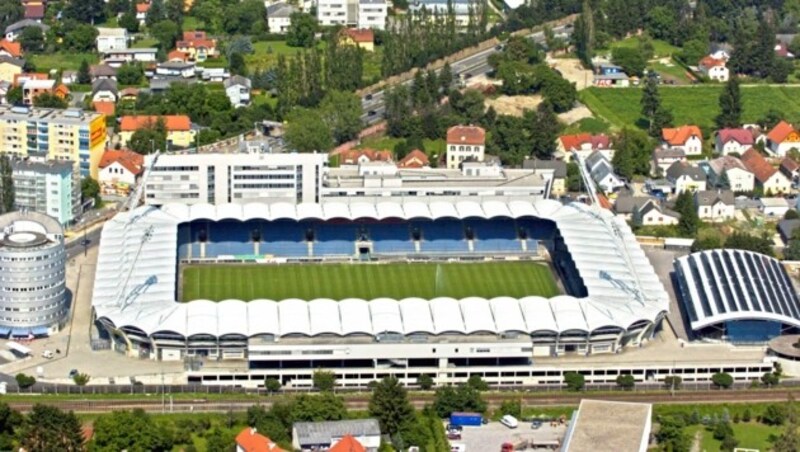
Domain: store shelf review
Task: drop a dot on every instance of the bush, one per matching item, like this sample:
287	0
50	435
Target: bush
324	380
770	379
25	381
425	382
747	416
673	382
773	415
477	383
722	380
626	381
574	381
511	407
272	385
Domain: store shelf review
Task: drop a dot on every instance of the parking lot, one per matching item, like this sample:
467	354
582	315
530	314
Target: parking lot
490	437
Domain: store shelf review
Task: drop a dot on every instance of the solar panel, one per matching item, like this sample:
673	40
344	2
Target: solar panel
735	280
698	282
711	283
758	282
723	279
688	300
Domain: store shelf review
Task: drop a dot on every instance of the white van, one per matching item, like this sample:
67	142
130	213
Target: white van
47	354
509	421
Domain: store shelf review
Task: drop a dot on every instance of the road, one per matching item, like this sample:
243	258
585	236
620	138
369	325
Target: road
156	403
472	66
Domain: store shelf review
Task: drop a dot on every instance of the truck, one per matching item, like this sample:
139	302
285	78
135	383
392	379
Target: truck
466	419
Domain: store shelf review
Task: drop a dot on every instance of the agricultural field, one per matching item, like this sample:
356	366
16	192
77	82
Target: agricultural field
367	281
691	104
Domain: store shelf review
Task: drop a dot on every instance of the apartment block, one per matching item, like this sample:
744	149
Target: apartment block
372	14
49	187
52	134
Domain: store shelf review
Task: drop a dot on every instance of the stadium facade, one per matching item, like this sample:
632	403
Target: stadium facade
33	292
614	299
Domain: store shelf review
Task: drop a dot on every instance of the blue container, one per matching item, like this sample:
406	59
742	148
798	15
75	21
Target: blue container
466	419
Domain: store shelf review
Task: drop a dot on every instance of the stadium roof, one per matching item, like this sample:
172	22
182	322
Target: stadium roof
724	284
135	278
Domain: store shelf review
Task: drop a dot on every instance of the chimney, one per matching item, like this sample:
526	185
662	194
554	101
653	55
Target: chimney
253	431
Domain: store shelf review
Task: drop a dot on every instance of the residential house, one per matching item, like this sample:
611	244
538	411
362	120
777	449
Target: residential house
584	144
237	88
625	206
786	229
372	14
111	39
104	90
34	10
118	57
729	173
768	179
715	205
602	172
664	157
179	128
733	141
689	138
559	168
355	157
414	160
119	171
333	12
105	107
69	77
10	68
141	12
714	69
175	69
721	53
653	214
10	48
176	56
363	38
102	71
50	187
324	435
279	17
774	207
790	169
686	177
197	46
249	440
782	50
214	74
782	138
13	31
4	87
21	79
33	88
609	75
129	94
348	444
465	143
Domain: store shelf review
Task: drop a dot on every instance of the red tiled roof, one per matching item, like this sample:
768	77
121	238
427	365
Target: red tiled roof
789	166
61	90
709	62
130	91
193	34
251	441
758	165
353	155
472	135
577	141
34	11
679	135
177	55
142	7
173	122
13	48
780	132
414	159
196	44
348	444
741	136
104	107
360	35
131	161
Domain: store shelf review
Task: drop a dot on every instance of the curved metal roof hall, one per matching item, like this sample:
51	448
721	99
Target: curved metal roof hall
136	276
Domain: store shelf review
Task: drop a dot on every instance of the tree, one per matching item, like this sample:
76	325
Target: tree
324	380
463	398
84	76
130	74
307	131
166	33
730	104
389	404
584	35
722	380
272	385
7	193
511	408
81	38
779	70
630	59
302	27
574	381
626	381
10	12
14	95
774	414
236	64
25	381
744	241
651	99
542	128
662	119
770	379
81	379
10	421
671	435
49	100
129	22
47	428
156	13
131	430
673	382
686	207
633	153
174	11
86	11
147	139
792	252
318	407
425	382
220	440
477	383
445	78
32	39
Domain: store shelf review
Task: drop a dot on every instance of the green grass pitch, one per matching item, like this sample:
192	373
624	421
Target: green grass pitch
367	281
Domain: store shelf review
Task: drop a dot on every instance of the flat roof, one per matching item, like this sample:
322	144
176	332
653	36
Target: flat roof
619	426
68	116
418	178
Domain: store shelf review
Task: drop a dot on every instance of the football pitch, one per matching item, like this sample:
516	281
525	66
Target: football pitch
367	281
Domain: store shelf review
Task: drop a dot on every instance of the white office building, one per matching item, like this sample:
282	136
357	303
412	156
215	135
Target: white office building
372	14
336	12
238	178
52	188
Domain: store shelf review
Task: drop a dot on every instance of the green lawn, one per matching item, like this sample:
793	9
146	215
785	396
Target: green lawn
751	435
691	104
61	61
660	48
367	281
265	53
145	43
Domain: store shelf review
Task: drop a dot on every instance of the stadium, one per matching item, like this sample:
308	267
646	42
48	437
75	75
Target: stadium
365	290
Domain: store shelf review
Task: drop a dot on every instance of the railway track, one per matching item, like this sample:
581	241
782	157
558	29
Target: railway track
361	403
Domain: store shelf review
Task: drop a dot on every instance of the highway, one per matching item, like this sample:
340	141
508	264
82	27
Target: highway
472	66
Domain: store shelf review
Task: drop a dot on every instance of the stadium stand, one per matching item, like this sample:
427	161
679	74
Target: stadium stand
442	236
335	239
494	235
391	238
283	238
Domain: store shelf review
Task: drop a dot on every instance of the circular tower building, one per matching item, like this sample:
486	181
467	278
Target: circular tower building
33	291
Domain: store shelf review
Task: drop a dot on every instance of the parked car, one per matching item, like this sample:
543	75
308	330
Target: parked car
509	421
536	425
47	354
72	373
